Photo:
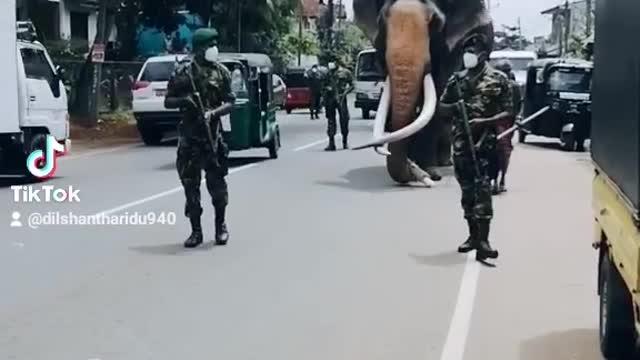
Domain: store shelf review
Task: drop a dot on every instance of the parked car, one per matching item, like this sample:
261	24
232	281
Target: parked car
149	90
279	92
298	91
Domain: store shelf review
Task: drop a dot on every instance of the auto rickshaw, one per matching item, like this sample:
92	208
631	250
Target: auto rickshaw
252	123
565	86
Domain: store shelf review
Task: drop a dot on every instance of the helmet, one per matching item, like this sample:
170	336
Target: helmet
204	38
504	66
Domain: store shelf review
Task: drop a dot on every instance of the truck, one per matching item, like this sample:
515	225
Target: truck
368	84
34	99
615	151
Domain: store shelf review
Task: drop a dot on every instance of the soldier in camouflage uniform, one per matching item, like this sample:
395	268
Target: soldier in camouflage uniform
200	144
337	84
488	99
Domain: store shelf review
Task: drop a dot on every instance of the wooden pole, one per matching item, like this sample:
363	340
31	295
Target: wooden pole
300	18
95	92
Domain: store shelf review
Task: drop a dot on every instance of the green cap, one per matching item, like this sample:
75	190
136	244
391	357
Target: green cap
204	37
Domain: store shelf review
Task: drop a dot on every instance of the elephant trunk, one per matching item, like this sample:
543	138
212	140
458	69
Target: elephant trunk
408	61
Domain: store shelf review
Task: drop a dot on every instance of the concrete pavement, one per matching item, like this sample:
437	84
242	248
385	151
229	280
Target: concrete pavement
328	259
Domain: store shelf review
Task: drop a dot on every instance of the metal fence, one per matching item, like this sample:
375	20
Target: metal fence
115	86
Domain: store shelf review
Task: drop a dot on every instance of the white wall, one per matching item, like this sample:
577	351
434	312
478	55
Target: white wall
64	21
93	27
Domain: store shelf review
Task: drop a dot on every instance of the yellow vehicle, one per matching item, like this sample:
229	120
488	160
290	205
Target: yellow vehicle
616	188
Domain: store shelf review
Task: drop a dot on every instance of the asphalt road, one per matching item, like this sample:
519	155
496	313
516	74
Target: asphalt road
328	259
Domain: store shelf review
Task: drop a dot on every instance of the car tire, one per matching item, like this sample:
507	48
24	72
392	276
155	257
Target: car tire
151	136
288	111
366	114
617	328
274	145
522	137
568	141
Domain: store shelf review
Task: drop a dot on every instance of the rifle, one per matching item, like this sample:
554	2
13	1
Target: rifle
201	109
467	128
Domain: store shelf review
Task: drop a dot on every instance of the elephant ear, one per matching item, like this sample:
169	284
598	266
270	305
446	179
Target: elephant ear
464	19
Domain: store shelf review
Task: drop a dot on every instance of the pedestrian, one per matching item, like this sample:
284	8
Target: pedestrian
487	98
504	147
337	84
315	85
200	87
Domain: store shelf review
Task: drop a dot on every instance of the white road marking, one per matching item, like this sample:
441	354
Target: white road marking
179	188
161	195
454	346
98	152
304	147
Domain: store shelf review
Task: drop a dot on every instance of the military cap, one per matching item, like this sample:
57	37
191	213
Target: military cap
204	37
504	65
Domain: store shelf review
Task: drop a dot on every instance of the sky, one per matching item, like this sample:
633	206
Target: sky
507	12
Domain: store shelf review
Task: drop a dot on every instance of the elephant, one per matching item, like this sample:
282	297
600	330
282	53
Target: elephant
419	45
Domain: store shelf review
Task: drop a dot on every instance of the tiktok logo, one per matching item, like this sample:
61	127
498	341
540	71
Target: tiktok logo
42	166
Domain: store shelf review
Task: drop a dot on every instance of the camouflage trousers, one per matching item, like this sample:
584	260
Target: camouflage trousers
476	191
341	108
194	156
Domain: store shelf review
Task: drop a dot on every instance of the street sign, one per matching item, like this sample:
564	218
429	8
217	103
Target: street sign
97	55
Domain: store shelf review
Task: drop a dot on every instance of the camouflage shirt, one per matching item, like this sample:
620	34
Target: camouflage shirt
213	82
337	82
487	94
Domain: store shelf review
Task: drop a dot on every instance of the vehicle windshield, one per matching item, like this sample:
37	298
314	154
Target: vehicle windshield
517	64
296	80
157	71
570	80
238	83
368	69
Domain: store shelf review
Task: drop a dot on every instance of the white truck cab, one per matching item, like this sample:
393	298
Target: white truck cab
368	84
38	106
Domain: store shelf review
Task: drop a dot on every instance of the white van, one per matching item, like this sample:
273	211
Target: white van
369	80
39	106
520	61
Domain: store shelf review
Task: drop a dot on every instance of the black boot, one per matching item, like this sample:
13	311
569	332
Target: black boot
222	233
484	250
345	142
331	146
195	239
471	242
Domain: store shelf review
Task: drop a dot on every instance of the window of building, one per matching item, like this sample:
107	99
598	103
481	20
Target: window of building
79	26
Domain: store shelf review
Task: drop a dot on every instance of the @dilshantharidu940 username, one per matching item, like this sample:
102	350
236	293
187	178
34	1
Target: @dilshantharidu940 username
37	220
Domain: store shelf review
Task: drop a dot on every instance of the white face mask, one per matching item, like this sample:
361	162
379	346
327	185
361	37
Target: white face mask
314	70
470	60
211	54
332	66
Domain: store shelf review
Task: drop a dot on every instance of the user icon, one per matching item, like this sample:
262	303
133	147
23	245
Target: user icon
15	219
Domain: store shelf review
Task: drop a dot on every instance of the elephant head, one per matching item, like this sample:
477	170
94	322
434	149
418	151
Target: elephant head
419	44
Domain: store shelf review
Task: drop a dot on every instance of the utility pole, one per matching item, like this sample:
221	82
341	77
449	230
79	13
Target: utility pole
332	14
300	18
589	17
567	27
239	25
520	40
97	48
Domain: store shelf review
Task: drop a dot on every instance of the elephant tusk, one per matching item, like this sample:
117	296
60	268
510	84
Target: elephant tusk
428	110
382	151
420	175
383	110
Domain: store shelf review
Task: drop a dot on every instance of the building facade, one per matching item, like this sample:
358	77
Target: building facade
70	20
580	24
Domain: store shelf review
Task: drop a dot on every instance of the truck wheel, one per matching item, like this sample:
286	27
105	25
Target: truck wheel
274	145
617	327
366	114
37	142
151	136
522	136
